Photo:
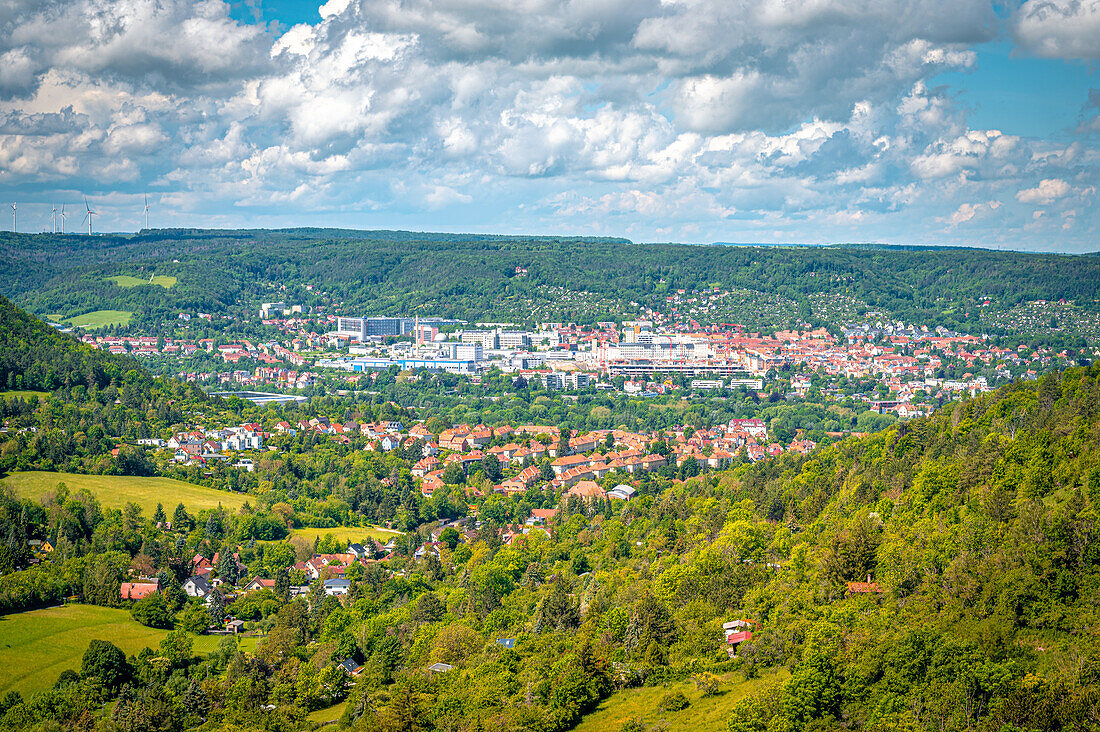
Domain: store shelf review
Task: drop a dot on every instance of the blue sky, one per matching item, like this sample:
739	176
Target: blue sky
954	122
1021	94
287	12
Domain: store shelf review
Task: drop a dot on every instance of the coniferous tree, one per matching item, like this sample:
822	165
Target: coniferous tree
171	589
213	529
282	584
557	610
181	520
196	700
216	607
227	568
532	576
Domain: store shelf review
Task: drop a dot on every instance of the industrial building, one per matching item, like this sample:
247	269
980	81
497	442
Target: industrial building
363	329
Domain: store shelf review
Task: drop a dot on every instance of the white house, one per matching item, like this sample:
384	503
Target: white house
337	586
196	586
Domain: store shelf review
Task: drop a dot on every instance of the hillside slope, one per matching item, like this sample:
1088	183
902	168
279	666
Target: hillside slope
93	400
980	527
474	277
943	575
35	356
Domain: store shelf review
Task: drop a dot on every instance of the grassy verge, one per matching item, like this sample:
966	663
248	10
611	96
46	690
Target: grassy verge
207	644
22	394
701	715
114	491
351	534
328	715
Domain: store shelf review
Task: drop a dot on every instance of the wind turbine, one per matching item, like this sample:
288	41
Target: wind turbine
14	219
63	215
90	213
53	219
146	210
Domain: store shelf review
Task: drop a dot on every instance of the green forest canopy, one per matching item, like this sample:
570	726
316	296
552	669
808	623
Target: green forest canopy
471	276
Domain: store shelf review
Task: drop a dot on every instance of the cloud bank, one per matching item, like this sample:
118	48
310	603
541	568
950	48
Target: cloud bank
674	119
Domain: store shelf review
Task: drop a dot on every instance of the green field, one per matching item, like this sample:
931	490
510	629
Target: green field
114	491
701	715
352	534
207	644
22	394
127	281
39	644
101	318
329	714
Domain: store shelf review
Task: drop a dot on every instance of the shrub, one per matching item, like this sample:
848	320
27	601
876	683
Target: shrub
674	701
153	611
707	683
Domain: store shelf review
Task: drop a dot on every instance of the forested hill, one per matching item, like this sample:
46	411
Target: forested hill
98	398
36	357
981	527
475	277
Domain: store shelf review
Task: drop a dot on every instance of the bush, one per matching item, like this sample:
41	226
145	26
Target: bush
707	683
195	619
105	661
153	611
68	676
673	702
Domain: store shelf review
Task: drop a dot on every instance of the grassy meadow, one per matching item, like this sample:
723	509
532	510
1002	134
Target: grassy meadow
207	644
22	394
351	534
114	491
36	646
329	714
127	281
701	715
100	318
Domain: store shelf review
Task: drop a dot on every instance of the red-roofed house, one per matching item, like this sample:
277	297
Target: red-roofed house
425	466
539	516
201	565
431	482
138	590
587	489
738	637
864	588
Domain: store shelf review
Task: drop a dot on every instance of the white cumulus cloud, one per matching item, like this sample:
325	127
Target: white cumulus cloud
1048	191
1060	28
714	119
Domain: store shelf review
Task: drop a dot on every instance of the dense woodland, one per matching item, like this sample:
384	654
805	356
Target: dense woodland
37	358
978	524
474	277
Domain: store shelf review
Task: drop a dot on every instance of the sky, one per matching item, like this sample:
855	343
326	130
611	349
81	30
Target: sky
931	122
